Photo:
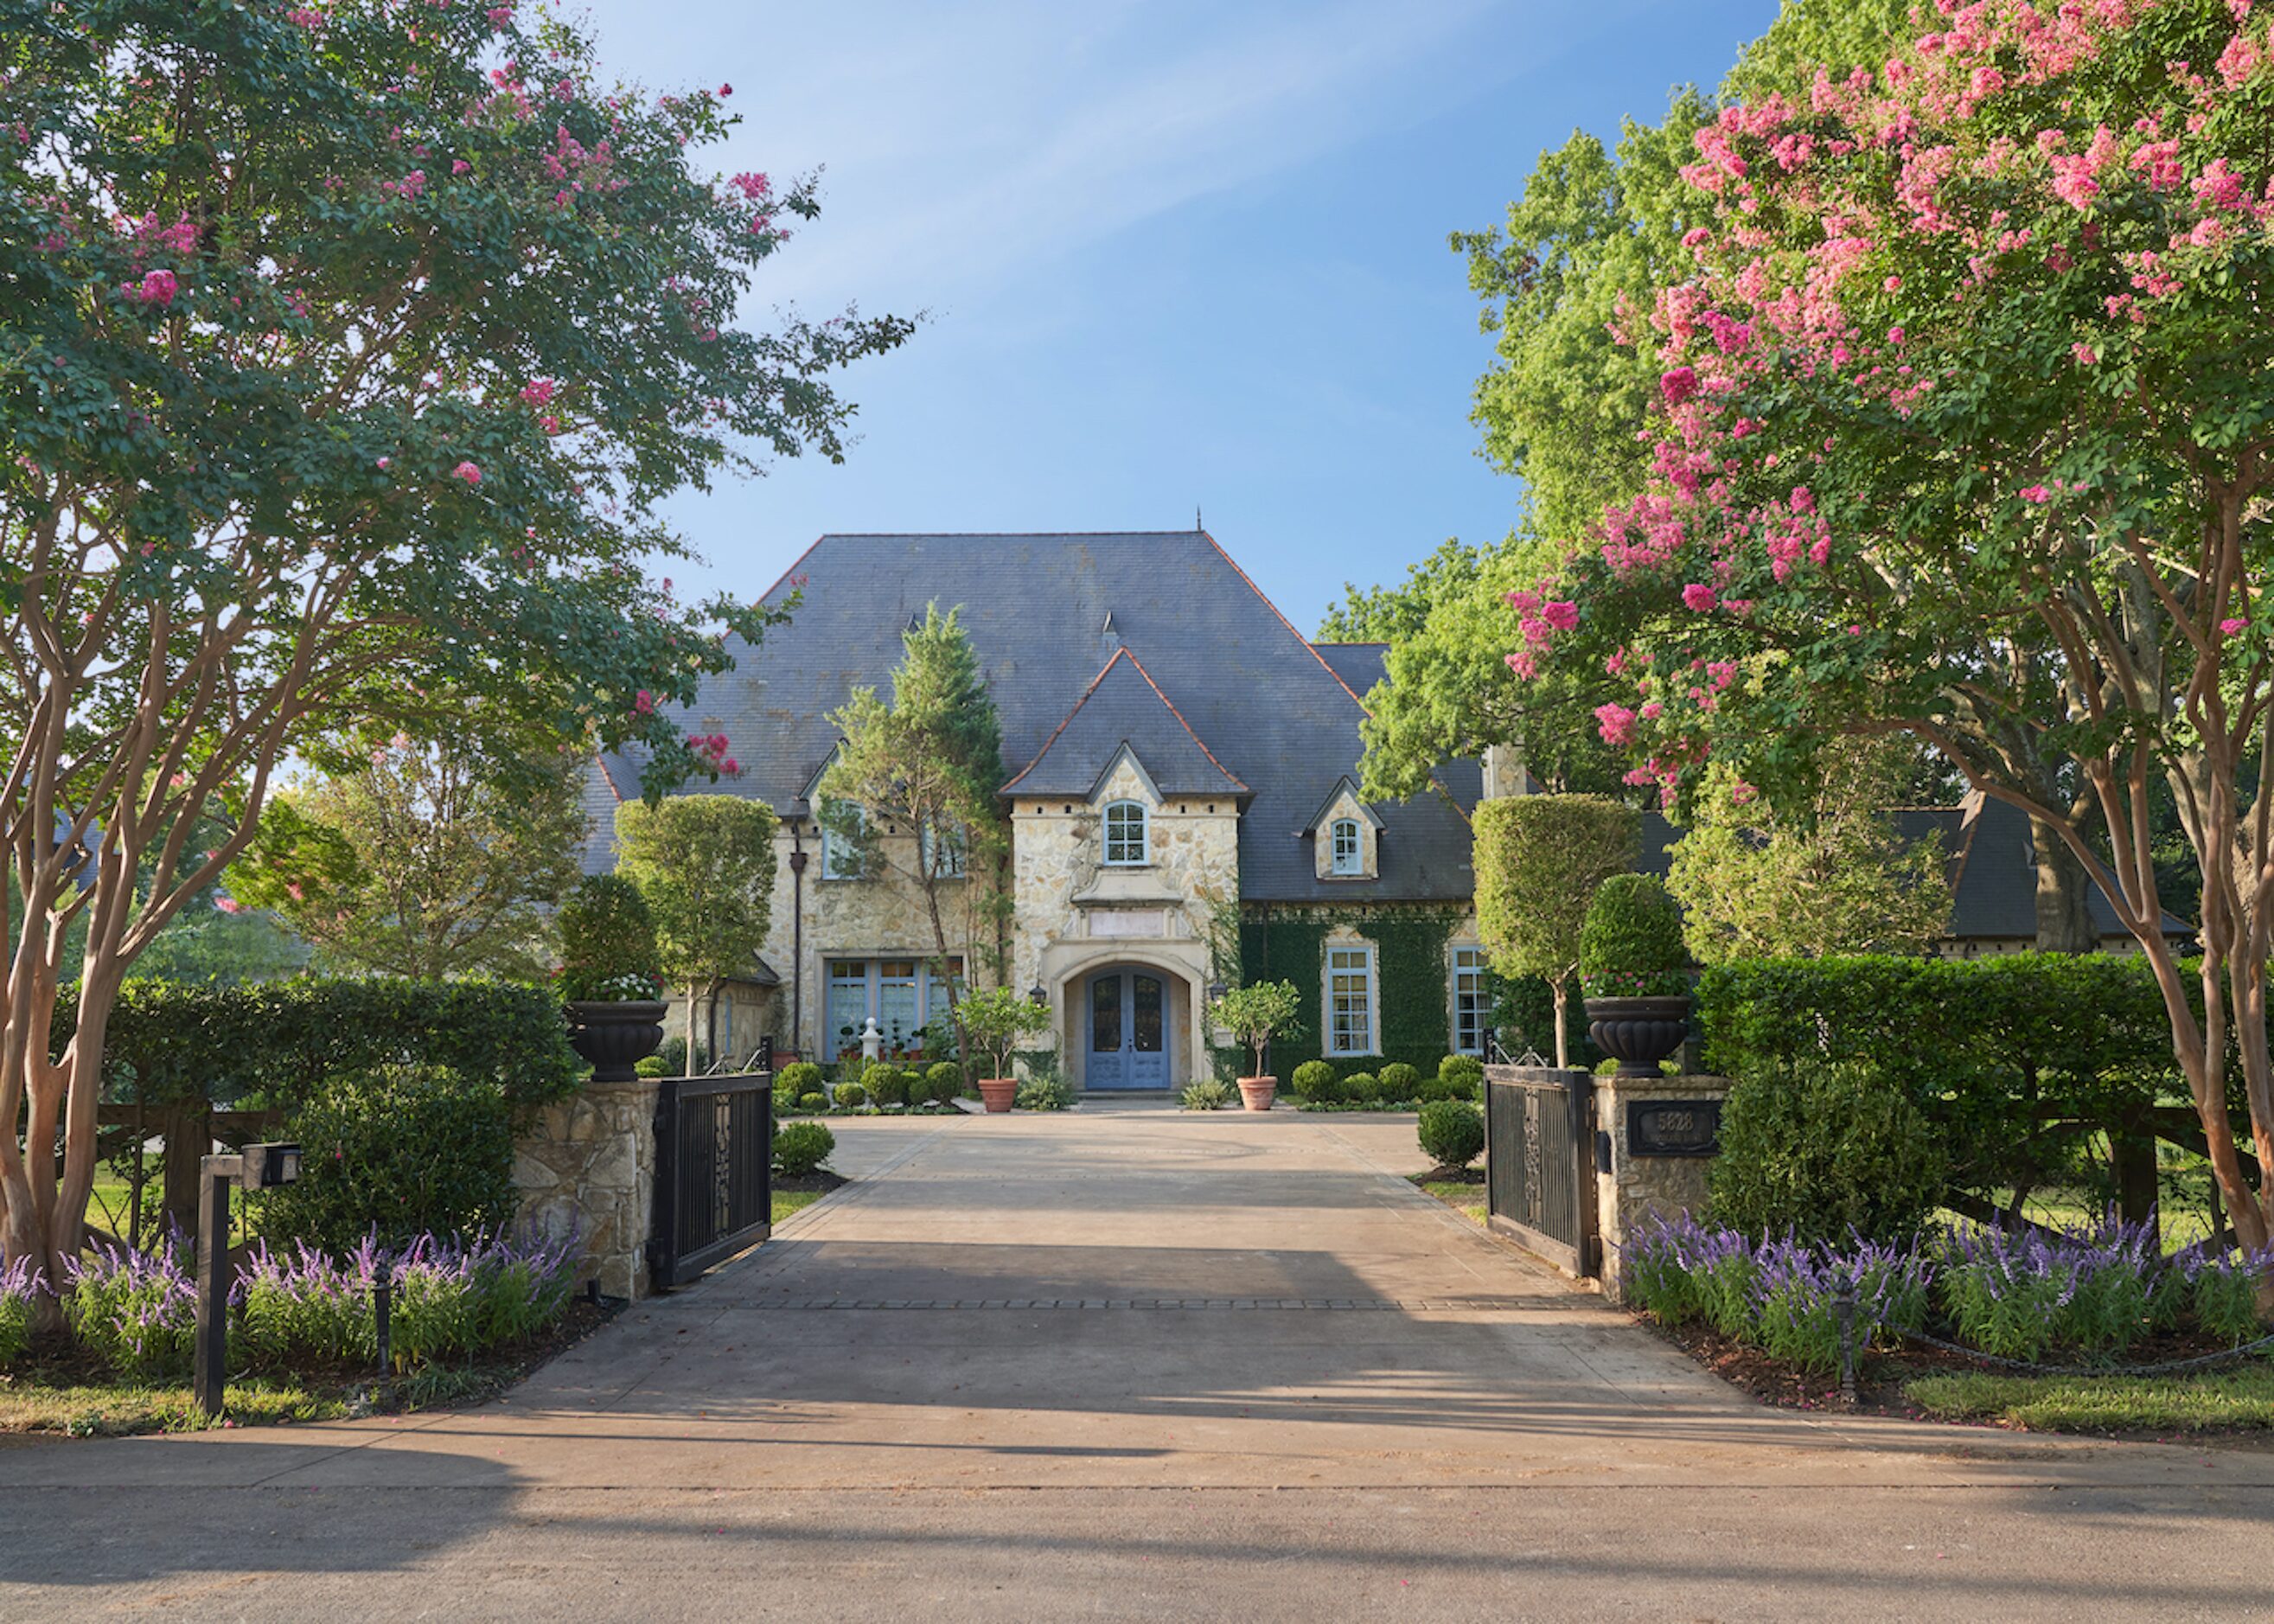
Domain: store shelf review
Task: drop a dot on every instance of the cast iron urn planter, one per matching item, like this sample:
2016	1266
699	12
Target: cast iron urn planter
616	1035
1638	1032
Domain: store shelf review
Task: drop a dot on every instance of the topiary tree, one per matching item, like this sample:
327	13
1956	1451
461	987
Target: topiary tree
1538	861
348	372
1630	944
704	864
1254	1012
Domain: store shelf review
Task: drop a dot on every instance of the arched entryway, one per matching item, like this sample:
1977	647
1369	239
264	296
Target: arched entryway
1126	1017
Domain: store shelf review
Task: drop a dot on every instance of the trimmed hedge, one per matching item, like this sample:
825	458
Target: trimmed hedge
1990	1050
404	1151
1816	1151
1451	1132
278	1042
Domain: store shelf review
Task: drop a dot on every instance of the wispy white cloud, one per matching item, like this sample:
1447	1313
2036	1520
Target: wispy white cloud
962	139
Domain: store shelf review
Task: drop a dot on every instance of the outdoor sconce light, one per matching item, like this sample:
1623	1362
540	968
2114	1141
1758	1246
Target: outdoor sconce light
259	1166
1215	992
1034	994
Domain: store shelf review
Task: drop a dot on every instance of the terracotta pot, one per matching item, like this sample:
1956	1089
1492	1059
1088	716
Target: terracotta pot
616	1035
1638	1032
1256	1093
997	1094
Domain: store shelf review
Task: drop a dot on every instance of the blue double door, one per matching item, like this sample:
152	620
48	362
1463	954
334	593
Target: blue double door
1129	1029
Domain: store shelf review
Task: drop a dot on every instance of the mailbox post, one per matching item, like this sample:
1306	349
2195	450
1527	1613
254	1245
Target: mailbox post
259	1166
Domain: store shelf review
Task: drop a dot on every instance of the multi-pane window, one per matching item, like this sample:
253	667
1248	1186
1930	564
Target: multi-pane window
1349	855
901	994
1472	1005
943	852
1349	1000
1125	834
841	859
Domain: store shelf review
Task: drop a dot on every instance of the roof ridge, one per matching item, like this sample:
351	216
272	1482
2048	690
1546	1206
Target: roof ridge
1067	720
1179	714
1308	645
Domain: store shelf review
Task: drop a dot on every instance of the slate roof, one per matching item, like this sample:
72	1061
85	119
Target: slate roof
1125	706
1046	615
1359	665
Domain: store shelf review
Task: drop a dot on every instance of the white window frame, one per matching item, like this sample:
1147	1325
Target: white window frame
1472	973
943	859
1107	835
1352	859
835	853
1340	1040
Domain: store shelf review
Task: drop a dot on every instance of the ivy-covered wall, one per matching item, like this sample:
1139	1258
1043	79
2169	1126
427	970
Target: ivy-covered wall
1286	942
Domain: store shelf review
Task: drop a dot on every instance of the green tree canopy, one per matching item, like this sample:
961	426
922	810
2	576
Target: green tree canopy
1961	431
1838	878
346	357
427	860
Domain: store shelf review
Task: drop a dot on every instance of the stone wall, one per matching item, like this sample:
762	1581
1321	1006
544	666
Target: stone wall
1637	1186
587	1166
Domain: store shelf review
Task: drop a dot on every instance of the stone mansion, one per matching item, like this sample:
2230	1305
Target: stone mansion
1179	762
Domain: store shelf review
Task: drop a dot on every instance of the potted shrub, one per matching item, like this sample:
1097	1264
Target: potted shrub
609	978
1253	1013
1634	972
996	1021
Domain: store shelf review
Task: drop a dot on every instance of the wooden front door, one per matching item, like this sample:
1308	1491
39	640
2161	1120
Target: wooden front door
1128	1025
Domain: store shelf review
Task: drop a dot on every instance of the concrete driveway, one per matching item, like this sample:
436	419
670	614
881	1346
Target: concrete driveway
1130	1364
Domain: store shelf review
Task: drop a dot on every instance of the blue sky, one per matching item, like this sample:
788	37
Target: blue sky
1175	255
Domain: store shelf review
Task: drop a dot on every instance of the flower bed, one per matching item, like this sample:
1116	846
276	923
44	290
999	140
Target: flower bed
134	1313
2090	1294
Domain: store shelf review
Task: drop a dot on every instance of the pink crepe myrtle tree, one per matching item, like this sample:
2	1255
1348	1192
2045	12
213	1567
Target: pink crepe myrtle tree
283	285
1963	432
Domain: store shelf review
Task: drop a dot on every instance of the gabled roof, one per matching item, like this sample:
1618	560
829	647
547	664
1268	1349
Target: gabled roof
1124	708
1345	783
1274	712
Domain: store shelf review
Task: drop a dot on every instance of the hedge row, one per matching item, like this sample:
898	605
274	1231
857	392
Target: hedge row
278	1042
1992	1051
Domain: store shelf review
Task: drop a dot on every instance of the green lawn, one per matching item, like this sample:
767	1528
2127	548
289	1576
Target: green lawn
1466	1199
789	1201
30	1405
2214	1399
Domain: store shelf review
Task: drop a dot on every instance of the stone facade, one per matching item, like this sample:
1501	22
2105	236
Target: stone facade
1640	1187
1076	915
586	1165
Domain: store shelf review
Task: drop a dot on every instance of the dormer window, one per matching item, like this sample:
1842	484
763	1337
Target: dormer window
1349	851
1125	838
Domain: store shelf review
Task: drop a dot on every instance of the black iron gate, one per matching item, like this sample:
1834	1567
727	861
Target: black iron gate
714	1153
1539	1162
